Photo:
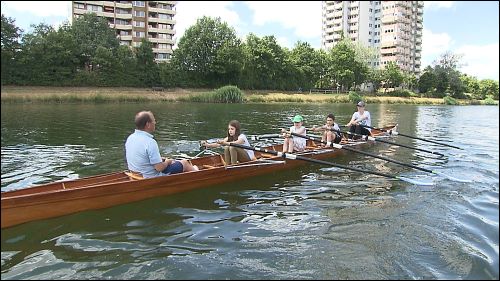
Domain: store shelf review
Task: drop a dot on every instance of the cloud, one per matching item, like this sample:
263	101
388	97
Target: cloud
433	45
436	5
304	18
40	8
480	60
189	11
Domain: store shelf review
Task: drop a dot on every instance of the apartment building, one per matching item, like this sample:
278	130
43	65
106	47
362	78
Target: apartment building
135	20
392	28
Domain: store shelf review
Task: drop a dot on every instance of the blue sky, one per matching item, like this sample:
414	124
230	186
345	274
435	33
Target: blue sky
469	28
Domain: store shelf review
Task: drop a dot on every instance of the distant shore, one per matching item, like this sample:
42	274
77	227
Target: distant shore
20	94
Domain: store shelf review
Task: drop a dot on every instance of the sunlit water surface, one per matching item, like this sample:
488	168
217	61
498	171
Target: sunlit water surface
310	222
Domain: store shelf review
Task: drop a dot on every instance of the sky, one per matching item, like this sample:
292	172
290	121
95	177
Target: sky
467	28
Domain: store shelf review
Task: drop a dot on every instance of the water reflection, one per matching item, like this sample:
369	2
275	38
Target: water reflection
311	222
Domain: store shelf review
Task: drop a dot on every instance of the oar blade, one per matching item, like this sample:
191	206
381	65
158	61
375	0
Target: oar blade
416	182
452	177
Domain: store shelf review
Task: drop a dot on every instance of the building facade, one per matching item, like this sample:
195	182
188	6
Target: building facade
392	28
135	20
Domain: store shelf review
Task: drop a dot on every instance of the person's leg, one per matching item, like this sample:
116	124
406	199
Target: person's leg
188	167
233	155
329	136
174	168
227	155
242	155
285	144
352	129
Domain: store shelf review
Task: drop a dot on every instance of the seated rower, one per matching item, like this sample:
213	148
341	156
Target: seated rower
331	130
292	143
360	117
142	152
233	155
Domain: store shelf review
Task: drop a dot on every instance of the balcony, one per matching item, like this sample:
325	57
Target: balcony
124	16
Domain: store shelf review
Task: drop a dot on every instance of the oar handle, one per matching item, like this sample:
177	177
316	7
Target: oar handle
291	156
394	143
264	136
364	153
317	161
414	137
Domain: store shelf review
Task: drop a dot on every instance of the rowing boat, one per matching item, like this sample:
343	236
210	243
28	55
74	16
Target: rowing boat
102	191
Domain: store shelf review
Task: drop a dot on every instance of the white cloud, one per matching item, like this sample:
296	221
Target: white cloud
189	11
303	17
40	8
436	5
480	60
433	45
284	42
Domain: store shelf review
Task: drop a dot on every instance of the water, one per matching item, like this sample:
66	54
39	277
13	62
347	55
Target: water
311	222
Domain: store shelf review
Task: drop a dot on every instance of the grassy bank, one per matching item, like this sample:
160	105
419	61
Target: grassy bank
19	94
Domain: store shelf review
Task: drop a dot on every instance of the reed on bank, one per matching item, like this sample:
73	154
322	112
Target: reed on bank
228	94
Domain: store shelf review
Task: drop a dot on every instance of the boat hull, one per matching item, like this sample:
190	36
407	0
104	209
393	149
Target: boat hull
67	197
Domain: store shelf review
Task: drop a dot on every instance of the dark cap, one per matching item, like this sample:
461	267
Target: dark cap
361	103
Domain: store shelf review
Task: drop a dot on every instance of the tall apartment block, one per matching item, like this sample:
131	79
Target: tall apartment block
393	28
135	20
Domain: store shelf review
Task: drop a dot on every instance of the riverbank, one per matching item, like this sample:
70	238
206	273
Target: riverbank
19	94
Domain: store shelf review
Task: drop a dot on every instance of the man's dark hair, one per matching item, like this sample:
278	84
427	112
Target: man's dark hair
142	118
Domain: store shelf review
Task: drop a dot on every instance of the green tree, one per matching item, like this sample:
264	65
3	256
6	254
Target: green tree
148	70
488	87
393	76
308	62
209	53
265	62
427	80
10	48
348	68
90	32
471	85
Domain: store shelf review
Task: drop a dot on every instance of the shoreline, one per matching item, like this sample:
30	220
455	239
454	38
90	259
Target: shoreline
33	94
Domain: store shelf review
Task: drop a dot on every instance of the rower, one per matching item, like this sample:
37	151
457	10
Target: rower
331	130
360	117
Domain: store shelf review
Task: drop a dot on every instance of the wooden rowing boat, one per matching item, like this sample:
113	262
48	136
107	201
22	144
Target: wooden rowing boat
102	191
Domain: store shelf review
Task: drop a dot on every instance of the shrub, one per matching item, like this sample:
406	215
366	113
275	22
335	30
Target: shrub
450	101
489	101
228	94
354	97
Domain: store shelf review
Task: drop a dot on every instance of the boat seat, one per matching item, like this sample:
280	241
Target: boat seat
134	176
208	167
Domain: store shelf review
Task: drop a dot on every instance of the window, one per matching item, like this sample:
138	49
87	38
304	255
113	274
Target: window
165	16
139	13
163	56
139	23
138	3
80	6
139	34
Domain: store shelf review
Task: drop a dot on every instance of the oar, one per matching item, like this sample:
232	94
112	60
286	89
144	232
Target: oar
264	136
335	145
298	157
413	137
389	142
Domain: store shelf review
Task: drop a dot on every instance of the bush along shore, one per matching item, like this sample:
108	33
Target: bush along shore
226	94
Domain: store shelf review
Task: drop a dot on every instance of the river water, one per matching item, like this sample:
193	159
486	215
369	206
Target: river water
311	222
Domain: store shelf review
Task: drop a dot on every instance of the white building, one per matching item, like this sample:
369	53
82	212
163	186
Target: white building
392	28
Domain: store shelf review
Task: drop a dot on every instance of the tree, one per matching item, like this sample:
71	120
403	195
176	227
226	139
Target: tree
392	75
10	48
148	71
347	69
90	32
427	80
265	63
488	87
210	53
308	62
